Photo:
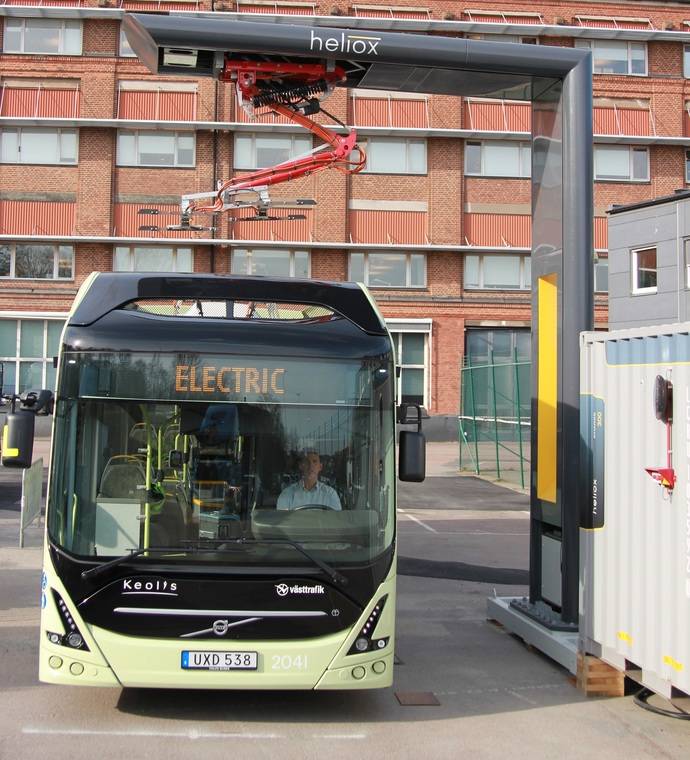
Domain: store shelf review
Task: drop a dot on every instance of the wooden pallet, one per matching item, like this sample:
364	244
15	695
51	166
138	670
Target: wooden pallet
597	678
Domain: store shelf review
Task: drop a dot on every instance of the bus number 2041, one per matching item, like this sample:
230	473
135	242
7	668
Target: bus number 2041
289	662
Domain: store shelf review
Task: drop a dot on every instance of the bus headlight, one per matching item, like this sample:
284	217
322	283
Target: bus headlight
365	641
72	637
75	640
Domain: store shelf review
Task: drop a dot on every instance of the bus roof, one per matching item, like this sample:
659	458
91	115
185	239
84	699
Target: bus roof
108	291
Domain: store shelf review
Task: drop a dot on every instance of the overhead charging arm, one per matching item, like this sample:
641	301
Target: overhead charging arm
292	90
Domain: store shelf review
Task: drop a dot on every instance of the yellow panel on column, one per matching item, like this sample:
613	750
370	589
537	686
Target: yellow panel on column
547	387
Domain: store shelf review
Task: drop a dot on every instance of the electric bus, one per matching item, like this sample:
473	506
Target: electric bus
221	502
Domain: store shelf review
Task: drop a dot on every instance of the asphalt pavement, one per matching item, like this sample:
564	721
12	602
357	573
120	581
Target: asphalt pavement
494	697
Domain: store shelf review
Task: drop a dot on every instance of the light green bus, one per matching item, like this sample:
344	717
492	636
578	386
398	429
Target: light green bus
221	504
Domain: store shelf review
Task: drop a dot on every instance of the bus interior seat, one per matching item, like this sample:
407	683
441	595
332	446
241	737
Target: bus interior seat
122	477
138	437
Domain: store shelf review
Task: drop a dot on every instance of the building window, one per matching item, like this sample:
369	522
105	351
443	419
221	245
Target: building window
687	166
270	262
149	148
498	345
504	38
37	262
125	49
38	145
644	270
686	246
499	272
153	259
389	270
499	158
496	383
259	151
617	56
601	274
411	355
624	163
42	36
27	348
387	155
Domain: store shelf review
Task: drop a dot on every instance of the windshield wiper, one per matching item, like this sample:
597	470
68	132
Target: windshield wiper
331	572
133	554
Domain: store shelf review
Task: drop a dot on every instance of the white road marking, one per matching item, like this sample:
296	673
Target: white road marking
191	734
418	521
20	617
339	736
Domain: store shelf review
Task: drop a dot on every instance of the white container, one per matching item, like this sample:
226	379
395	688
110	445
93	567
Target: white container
635	548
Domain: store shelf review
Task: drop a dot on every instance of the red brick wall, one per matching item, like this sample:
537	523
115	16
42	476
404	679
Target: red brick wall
97	183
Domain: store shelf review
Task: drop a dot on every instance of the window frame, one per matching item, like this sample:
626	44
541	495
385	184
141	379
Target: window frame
516	39
366	141
250	251
635	270
253	136
46	130
591	43
631	149
122	40
483	144
137	132
525	272
59	22
174	249
17	359
402	327
56	263
599	259
408	269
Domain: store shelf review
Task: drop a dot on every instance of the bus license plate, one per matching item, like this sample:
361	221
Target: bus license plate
192	660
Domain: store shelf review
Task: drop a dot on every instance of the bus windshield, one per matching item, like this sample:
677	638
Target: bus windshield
196	451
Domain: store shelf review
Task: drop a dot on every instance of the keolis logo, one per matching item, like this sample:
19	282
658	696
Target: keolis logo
360	44
159	586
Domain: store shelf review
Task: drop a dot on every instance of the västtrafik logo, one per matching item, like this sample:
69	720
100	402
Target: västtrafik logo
282	589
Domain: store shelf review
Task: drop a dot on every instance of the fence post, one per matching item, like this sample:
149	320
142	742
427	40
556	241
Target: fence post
474	424
493	393
518	416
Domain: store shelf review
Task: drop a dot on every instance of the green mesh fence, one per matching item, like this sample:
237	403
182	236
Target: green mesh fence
494	420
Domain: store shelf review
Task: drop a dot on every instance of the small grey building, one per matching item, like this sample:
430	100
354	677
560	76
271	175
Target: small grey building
649	262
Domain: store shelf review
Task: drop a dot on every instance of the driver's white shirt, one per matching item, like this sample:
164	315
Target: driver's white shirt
297	495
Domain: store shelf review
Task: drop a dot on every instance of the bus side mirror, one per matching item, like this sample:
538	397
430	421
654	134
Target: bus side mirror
18	432
18	439
412	449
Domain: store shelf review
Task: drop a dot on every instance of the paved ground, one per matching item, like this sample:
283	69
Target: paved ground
497	699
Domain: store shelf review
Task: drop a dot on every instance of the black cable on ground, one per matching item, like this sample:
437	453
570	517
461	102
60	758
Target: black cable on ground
640	699
460	571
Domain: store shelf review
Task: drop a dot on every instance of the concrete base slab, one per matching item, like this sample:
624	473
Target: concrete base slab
559	646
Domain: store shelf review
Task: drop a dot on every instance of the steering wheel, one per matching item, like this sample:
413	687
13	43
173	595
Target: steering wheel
315	506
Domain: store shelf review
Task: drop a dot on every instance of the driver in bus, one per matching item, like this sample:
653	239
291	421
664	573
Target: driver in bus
309	490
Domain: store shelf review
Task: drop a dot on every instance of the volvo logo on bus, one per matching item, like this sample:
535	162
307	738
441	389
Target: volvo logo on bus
220	627
282	589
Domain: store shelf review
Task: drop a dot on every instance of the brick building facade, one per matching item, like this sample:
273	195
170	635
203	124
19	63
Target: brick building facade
439	225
